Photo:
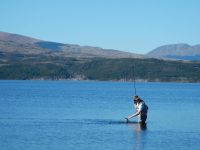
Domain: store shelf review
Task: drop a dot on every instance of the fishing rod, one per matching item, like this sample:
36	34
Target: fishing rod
132	72
134	80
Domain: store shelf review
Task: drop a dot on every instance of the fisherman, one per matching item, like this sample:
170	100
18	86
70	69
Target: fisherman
141	110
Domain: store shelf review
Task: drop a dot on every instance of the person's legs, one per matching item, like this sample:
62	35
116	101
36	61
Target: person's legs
142	118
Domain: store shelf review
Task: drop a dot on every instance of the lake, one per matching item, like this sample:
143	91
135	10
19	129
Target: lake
83	115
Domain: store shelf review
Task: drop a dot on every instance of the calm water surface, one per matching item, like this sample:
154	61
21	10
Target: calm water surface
62	115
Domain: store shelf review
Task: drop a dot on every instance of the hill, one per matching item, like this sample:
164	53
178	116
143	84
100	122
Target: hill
176	51
103	69
19	44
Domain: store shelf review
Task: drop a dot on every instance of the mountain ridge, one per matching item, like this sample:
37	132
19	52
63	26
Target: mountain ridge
12	37
25	45
16	43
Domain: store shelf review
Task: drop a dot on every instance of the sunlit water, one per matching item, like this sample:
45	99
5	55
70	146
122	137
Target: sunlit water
72	115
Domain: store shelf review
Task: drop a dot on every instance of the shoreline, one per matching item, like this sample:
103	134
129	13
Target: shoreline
87	80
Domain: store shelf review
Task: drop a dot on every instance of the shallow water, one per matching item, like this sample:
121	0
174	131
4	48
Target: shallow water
60	115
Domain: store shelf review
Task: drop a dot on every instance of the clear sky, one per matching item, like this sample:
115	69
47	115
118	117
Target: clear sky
129	25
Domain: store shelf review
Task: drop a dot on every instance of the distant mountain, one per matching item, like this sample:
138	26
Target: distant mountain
19	44
16	44
176	51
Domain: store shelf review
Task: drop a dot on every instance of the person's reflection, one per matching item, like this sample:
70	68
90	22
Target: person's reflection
138	127
139	135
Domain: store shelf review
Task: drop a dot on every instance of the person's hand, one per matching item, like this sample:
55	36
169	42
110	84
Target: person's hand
127	120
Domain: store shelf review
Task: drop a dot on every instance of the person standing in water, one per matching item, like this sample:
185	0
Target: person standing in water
141	110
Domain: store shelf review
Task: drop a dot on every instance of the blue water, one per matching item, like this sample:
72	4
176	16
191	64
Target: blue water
73	115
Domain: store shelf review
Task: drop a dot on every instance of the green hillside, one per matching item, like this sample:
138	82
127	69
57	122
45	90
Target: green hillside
102	69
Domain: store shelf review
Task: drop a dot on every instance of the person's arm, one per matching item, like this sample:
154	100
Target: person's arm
134	115
138	111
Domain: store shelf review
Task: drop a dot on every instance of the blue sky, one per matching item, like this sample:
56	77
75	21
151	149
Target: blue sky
129	25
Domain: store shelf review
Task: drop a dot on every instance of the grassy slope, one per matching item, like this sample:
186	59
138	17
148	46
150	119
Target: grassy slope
31	67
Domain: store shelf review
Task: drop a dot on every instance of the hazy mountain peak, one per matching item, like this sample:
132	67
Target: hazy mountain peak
176	51
179	46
